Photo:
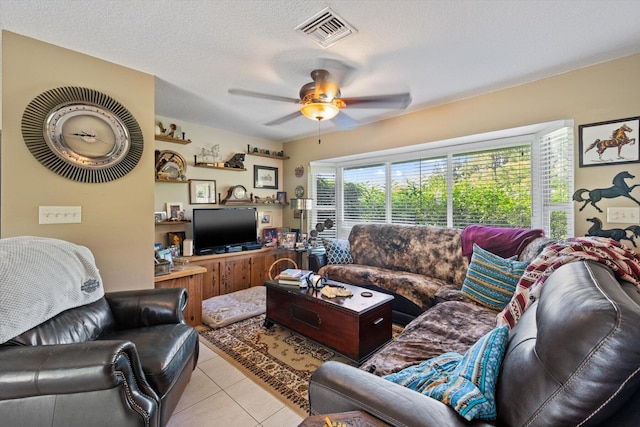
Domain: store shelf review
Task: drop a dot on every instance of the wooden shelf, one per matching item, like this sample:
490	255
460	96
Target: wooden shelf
173	222
171	139
187	270
173	181
209	166
272	156
274	205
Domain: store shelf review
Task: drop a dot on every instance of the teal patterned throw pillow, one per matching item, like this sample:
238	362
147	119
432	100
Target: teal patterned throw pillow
338	251
466	383
491	280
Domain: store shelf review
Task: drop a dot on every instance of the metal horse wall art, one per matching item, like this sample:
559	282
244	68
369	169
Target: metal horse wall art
618	189
613	233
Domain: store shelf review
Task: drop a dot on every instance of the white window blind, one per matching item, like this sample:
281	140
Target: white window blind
323	187
556	182
493	187
364	194
521	181
419	192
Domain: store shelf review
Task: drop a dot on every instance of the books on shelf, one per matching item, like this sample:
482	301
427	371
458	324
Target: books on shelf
294	276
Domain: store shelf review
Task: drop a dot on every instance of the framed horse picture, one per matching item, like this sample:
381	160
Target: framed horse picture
608	143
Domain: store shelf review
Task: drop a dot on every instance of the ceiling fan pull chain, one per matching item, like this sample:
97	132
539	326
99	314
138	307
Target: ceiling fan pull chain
319	132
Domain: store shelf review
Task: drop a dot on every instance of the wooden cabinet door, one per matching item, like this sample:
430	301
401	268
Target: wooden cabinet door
235	274
262	263
193	284
210	279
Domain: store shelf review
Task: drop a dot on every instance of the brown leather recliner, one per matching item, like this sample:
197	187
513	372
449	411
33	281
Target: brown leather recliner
123	360
572	359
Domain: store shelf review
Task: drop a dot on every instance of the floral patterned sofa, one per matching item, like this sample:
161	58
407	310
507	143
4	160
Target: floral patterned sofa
420	265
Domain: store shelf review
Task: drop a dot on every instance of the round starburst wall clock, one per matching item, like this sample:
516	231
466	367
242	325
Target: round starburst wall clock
82	134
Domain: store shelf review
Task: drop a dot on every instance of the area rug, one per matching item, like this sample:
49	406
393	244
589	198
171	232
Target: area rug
279	360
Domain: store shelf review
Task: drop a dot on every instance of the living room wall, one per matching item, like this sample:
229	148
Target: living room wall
229	143
117	222
602	92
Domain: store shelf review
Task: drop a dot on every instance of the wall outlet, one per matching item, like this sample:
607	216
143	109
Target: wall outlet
60	215
623	215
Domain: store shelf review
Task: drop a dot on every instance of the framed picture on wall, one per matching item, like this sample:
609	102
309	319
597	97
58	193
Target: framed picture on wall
290	240
281	196
202	192
269	234
266	218
282	231
175	211
609	143
265	177
176	238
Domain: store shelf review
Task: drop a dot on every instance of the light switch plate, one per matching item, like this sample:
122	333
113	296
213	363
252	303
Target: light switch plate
60	215
623	215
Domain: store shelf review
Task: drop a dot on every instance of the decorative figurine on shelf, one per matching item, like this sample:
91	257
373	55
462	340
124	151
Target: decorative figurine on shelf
236	162
168	132
209	156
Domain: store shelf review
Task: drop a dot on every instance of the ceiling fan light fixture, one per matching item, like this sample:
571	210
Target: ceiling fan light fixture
320	110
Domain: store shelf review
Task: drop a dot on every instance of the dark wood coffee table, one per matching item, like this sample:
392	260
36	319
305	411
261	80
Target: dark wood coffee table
354	326
351	419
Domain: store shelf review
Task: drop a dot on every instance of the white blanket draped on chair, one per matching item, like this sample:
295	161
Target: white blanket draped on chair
41	277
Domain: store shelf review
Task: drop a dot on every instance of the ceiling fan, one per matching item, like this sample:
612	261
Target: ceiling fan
320	100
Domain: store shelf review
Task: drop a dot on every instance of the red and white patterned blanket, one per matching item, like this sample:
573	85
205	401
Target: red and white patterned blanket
622	260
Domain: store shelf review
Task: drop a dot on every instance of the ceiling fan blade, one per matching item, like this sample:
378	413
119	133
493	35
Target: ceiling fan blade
341	73
344	121
284	119
398	100
252	94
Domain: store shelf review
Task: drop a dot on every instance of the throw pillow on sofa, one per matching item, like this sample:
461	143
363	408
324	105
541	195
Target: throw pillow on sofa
491	280
338	251
466	383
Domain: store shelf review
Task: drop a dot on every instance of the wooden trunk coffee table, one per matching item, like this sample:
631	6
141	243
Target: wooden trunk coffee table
350	419
354	326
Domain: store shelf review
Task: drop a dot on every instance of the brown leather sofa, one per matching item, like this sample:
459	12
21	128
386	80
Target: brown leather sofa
123	360
419	265
572	359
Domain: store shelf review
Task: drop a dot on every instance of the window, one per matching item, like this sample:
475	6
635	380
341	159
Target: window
323	188
419	192
555	167
493	187
364	194
523	181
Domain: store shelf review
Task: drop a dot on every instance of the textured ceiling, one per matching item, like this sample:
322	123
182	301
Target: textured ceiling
438	50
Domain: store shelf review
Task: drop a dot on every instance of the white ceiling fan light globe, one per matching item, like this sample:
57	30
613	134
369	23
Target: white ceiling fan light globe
320	110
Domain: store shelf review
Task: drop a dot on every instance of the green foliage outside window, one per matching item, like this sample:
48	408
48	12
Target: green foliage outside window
490	187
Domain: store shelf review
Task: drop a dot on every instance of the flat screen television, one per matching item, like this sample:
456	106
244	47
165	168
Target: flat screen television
218	230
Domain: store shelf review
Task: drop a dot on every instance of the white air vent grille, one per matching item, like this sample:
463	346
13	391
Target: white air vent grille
326	28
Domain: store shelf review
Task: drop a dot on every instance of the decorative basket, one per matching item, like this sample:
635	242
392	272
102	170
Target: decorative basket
276	262
162	267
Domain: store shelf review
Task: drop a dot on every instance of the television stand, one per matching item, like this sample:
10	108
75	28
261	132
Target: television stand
232	272
251	246
204	252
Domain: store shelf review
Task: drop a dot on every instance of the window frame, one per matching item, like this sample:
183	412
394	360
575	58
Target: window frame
540	207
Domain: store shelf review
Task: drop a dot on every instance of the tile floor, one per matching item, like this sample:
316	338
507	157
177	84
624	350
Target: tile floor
221	395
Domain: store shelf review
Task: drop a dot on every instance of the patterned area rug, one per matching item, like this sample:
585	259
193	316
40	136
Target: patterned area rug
277	358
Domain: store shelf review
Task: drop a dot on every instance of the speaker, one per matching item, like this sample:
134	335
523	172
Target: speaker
187	247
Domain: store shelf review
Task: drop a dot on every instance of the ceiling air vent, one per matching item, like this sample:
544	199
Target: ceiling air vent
326	28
